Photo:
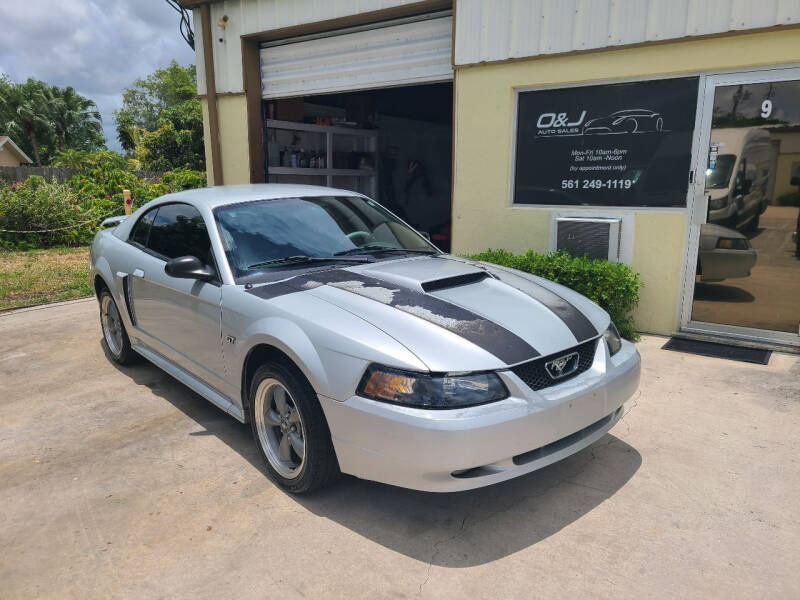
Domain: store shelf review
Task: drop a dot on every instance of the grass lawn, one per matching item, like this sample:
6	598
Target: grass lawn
39	276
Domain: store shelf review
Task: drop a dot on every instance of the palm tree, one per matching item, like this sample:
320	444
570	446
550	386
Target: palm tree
73	116
70	159
26	104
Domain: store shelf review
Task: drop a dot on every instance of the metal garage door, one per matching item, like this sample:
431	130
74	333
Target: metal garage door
407	52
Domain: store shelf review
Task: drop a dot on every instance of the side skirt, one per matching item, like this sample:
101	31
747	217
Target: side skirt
190	381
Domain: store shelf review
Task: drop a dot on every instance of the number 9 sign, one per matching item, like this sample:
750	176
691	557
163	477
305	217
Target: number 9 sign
766	108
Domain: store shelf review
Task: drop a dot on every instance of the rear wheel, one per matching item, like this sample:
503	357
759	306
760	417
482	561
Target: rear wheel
116	343
290	430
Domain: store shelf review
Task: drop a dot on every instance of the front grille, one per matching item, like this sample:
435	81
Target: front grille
535	376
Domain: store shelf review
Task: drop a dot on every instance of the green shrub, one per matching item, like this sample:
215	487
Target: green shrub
90	196
614	286
50	214
788	199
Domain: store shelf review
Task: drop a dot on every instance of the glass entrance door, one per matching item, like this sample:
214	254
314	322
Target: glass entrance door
744	245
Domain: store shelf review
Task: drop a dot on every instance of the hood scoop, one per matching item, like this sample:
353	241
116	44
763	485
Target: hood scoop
454	281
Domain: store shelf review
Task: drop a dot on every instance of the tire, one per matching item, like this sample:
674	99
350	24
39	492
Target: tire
116	343
752	225
275	389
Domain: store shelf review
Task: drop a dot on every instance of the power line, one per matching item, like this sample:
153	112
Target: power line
186	23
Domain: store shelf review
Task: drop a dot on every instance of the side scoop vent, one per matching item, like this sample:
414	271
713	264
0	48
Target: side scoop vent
455	281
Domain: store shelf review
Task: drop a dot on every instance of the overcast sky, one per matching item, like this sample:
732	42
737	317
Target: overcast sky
97	46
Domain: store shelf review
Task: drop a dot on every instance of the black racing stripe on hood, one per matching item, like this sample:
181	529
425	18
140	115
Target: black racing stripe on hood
273	290
579	324
488	335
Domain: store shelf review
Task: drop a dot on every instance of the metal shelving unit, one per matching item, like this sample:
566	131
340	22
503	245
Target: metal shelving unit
334	141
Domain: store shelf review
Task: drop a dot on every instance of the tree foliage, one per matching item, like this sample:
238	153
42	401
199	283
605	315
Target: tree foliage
76	120
161	120
44	119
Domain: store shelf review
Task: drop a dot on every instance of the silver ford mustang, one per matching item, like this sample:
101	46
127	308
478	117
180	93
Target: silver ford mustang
351	344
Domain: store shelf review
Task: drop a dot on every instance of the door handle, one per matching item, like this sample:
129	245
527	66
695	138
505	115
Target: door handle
138	273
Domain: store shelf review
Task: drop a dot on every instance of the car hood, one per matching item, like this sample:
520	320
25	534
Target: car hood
716	193
454	314
718	231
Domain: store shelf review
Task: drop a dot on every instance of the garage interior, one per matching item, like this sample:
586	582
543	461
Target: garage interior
392	144
367	108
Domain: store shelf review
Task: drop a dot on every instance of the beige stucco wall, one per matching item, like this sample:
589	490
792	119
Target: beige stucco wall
232	113
484	103
233	138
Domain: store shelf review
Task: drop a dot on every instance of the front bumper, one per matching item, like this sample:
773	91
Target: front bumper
461	449
719	264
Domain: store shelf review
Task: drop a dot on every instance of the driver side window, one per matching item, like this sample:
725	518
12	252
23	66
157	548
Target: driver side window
179	230
173	230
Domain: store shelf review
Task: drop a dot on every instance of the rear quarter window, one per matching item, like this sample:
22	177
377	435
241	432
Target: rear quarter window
141	230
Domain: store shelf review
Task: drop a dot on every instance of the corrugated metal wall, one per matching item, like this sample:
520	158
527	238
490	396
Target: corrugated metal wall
490	30
253	16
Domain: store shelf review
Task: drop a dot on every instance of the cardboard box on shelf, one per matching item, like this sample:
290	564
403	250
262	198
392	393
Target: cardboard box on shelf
289	109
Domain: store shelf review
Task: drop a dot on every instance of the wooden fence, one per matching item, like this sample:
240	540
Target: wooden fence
12	174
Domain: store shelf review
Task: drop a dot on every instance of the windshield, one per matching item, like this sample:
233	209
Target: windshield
718	177
254	233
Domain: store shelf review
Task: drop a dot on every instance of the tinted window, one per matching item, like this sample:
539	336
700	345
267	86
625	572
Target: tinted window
718	177
179	230
141	230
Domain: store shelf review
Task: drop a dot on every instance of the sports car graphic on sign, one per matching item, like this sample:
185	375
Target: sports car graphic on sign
351	344
636	120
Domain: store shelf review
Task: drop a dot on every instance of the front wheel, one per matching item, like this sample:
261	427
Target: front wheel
290	430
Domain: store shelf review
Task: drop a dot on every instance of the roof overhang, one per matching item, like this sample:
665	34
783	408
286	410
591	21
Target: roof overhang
6	141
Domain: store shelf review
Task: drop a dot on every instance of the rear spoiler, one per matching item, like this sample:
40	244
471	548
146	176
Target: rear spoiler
113	221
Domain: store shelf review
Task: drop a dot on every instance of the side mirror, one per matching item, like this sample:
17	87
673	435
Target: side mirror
189	267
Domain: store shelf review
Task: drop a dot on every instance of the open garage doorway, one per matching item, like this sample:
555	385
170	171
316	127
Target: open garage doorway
392	144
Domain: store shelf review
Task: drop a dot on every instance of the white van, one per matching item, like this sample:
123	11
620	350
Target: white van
740	175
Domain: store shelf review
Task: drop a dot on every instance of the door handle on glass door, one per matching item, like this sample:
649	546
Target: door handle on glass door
138	273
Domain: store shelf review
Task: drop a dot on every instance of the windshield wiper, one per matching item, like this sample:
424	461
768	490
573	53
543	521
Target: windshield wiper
373	249
301	258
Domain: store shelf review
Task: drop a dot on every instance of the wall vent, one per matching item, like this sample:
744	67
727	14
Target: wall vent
592	237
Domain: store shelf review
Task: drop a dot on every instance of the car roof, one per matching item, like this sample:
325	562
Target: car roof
630	111
222	195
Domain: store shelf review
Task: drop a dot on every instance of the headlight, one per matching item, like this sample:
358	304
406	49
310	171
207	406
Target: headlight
732	244
613	340
717	203
424	390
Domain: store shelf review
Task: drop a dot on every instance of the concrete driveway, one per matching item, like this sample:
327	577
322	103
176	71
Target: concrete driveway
121	483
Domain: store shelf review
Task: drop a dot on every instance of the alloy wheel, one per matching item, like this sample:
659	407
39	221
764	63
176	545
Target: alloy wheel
280	428
112	325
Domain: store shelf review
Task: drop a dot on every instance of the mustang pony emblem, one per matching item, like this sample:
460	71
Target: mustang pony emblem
562	366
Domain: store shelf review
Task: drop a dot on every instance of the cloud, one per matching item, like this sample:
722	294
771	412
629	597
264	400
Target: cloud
99	47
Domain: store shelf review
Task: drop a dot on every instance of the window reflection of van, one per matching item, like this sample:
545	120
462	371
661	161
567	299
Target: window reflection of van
739	185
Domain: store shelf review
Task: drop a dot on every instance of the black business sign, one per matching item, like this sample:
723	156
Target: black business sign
624	144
